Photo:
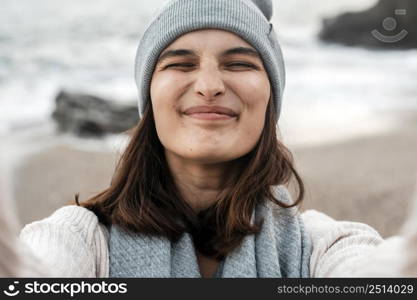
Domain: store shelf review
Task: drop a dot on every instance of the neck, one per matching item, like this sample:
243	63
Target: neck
199	183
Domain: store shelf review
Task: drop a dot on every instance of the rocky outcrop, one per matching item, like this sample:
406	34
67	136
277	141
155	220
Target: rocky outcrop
389	24
87	115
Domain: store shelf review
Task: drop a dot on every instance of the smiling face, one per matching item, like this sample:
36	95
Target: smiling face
209	94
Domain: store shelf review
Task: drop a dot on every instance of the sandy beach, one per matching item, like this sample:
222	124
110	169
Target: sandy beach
368	179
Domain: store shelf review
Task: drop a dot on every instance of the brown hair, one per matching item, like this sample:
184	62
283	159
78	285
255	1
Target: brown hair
142	196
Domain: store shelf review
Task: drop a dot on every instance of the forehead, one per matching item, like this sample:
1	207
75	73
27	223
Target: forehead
209	39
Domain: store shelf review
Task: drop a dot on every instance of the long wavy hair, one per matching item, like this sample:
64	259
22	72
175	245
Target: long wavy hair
143	198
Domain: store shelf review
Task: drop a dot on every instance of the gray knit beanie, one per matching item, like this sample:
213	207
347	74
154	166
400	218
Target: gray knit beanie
249	19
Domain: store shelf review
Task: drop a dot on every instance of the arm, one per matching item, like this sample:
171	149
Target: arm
67	242
409	231
15	258
351	249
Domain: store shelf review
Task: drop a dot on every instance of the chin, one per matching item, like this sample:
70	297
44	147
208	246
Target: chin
208	158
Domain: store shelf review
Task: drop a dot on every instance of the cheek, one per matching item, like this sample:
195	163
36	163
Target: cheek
255	93
253	124
253	89
165	90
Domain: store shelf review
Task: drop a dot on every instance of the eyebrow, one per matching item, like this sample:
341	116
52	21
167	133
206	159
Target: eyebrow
175	53
186	52
241	50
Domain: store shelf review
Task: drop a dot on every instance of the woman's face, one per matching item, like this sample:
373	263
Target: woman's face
209	96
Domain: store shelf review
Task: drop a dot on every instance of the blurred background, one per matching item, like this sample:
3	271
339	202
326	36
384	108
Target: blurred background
349	115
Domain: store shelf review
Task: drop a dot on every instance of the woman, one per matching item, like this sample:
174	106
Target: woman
200	189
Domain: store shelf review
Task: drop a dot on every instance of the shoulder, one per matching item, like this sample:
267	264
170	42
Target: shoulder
337	242
319	224
76	220
73	236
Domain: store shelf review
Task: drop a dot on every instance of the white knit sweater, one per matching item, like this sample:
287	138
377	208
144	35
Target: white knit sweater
72	243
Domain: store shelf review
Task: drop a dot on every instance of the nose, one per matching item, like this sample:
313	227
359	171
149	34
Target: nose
209	84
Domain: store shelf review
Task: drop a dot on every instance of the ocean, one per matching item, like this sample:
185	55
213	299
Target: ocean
332	92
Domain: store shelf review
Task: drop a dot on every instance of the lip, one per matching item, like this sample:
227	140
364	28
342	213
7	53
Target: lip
210	116
213	113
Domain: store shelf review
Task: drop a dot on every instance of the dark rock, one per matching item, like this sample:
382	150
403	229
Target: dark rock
389	24
87	115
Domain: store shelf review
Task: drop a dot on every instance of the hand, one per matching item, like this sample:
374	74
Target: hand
409	232
15	258
8	234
